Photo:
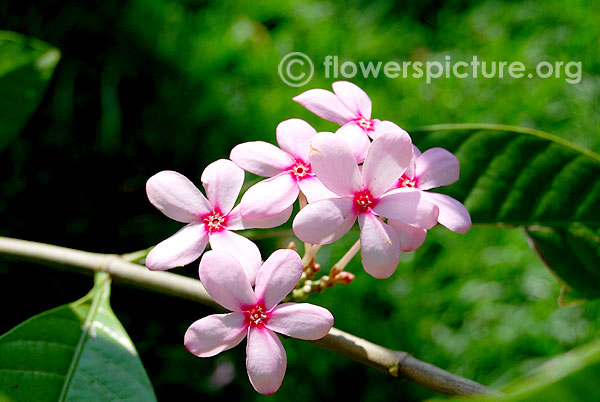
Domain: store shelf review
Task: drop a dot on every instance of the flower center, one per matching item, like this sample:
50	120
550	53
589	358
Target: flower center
363	201
406	181
300	170
256	316
365	124
215	221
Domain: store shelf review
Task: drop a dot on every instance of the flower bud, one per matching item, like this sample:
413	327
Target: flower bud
344	277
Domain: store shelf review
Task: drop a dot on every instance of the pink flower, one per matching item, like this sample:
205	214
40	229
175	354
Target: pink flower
434	168
350	107
208	220
288	168
255	314
364	195
346	104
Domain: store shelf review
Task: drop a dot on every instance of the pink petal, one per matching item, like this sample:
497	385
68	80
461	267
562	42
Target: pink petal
383	127
215	333
354	97
380	246
243	249
225	280
409	206
416	152
410	171
357	140
300	320
265	360
177	197
436	167
325	221
314	189
183	247
269	197
334	164
235	221
261	158
452	214
293	136
388	157
222	181
277	277
411	237
327	105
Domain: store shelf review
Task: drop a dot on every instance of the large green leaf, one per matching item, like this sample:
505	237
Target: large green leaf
517	176
571	377
76	352
26	66
523	177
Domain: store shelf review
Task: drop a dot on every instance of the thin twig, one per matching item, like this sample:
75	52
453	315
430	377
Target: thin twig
395	363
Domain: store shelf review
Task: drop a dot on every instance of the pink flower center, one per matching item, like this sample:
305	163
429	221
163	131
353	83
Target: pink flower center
300	170
365	124
256	316
215	221
406	181
363	201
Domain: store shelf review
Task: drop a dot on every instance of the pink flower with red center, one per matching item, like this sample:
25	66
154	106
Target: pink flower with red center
364	196
208	220
350	107
347	104
255	314
433	168
287	167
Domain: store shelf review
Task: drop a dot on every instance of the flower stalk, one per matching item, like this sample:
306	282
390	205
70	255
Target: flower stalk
386	360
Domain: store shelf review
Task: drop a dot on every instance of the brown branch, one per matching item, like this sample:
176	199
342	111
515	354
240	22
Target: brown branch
395	363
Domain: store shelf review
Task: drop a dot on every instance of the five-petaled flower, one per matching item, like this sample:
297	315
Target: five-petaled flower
433	168
364	195
208	220
350	107
288	168
255	314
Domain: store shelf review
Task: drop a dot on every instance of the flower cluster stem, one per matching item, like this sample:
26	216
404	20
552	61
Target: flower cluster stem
392	362
346	258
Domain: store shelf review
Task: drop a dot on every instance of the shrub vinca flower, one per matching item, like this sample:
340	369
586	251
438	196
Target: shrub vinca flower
288	167
364	196
255	314
350	107
208	220
433	168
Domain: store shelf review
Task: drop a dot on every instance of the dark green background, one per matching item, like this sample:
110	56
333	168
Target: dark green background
149	85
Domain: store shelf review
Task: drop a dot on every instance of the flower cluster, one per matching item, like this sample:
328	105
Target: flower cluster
367	171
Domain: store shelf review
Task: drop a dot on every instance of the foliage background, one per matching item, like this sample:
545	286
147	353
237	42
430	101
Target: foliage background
148	85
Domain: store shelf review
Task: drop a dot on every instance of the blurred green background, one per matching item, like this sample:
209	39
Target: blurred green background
148	85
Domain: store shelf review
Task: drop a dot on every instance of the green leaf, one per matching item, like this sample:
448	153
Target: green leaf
522	177
76	352
517	176
573	254
26	66
571	377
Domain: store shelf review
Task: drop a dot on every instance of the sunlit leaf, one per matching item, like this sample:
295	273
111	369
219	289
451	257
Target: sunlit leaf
516	176
26	66
522	177
76	352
